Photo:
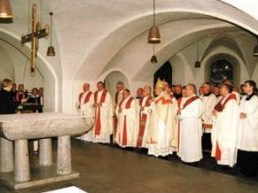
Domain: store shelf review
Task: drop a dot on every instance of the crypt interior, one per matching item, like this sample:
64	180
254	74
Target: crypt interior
107	41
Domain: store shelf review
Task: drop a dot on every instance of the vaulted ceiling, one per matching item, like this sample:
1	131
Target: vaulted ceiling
95	37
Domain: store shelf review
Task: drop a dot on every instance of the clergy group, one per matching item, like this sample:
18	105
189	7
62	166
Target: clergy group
180	120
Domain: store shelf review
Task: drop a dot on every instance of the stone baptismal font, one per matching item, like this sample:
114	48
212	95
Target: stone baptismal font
17	129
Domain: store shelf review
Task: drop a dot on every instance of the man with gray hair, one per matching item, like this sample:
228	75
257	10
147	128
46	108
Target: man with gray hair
209	101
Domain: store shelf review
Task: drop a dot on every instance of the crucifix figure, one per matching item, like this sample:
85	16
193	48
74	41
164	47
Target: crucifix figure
34	36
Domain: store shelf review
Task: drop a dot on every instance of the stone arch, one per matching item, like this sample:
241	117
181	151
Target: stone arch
217	12
112	78
12	47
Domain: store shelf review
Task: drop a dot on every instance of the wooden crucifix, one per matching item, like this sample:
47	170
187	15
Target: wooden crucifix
34	36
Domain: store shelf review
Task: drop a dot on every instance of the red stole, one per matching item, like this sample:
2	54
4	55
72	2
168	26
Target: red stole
143	119
87	97
220	107
102	100
127	106
189	101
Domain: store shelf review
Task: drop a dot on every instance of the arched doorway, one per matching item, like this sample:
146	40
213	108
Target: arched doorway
164	73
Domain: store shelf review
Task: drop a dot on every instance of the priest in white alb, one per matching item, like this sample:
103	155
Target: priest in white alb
225	128
127	125
85	108
189	115
103	126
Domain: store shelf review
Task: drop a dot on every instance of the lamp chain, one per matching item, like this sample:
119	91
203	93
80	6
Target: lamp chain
154	8
29	17
51	14
197	45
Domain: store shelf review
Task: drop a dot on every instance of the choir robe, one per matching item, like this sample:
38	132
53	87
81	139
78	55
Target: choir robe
190	147
160	134
103	126
127	126
144	122
248	130
225	131
248	136
209	103
86	101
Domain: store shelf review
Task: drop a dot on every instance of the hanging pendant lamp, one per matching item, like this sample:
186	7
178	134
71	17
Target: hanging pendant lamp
154	35
197	63
5	9
154	59
51	49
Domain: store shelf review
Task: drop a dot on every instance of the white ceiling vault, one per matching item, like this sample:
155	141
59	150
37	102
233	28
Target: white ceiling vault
95	37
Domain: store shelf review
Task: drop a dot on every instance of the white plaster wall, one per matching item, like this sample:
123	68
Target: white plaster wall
85	45
6	65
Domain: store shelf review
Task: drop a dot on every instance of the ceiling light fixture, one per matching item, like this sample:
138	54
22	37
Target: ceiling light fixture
51	49
154	59
154	35
5	9
197	63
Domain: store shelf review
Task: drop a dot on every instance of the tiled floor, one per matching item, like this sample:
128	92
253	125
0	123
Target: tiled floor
104	169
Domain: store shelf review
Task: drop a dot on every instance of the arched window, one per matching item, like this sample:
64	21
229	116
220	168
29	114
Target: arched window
220	70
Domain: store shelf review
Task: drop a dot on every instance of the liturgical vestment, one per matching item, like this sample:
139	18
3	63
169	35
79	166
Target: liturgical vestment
190	149
160	134
127	126
225	131
103	126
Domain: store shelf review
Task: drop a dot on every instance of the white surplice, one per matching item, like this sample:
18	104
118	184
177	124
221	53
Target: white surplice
248	130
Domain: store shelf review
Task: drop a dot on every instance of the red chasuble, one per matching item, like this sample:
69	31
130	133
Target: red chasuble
143	119
127	106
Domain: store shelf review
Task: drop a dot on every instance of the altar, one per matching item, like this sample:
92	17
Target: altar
17	129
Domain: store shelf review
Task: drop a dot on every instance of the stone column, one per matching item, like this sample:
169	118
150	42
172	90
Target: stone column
6	155
64	165
21	167
45	152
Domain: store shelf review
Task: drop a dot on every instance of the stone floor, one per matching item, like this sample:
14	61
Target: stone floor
104	169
